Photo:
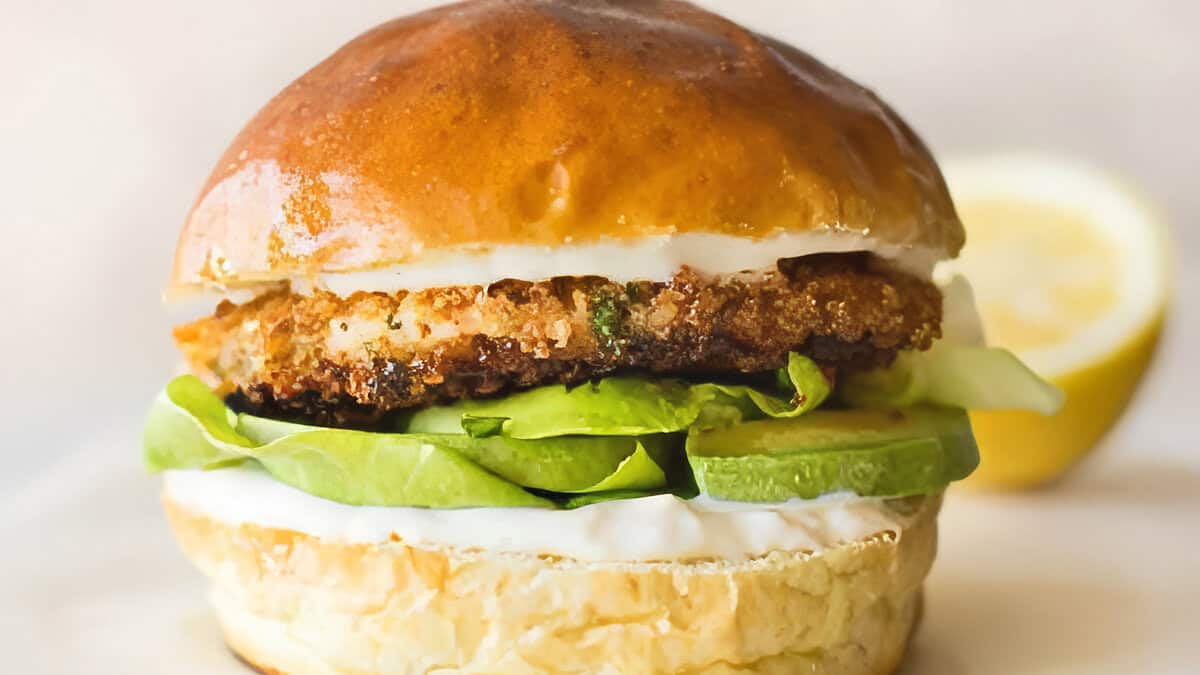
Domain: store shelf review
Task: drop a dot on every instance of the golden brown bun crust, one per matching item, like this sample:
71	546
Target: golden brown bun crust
297	604
547	122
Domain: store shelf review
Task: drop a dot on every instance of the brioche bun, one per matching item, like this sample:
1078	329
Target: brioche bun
544	123
555	127
289	602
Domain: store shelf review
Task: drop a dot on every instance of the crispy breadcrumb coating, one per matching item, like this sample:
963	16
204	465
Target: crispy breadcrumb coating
350	361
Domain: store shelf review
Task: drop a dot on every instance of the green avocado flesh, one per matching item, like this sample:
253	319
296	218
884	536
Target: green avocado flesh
617	438
867	452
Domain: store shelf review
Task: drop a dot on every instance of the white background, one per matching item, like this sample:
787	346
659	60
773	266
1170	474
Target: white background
111	115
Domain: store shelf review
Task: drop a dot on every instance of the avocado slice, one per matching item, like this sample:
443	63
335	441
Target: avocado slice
869	452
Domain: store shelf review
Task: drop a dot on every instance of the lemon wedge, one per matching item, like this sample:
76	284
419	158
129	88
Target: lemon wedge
1071	272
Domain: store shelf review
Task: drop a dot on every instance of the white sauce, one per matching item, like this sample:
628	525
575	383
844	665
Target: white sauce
653	258
662	527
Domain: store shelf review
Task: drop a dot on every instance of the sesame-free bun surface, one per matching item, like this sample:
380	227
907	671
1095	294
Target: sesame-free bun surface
545	122
294	603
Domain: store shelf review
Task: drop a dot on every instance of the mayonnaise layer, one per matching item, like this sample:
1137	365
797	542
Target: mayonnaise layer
653	258
661	527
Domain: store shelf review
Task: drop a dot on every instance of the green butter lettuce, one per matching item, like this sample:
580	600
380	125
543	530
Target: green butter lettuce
628	406
960	376
868	452
190	428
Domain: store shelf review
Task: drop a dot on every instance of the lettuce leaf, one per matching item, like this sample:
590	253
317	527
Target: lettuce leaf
190	427
628	406
958	371
954	375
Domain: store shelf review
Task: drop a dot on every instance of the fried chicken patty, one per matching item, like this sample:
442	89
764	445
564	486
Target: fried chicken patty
350	361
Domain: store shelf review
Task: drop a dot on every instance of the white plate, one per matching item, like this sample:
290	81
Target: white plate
1097	576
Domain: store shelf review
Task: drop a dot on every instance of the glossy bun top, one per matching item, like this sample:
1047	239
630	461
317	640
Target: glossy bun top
555	123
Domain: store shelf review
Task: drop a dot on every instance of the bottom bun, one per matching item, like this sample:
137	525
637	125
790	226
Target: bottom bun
295	604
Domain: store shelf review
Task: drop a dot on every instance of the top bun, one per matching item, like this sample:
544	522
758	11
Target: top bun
551	123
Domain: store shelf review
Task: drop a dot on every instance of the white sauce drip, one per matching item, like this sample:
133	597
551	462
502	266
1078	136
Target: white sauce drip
662	527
